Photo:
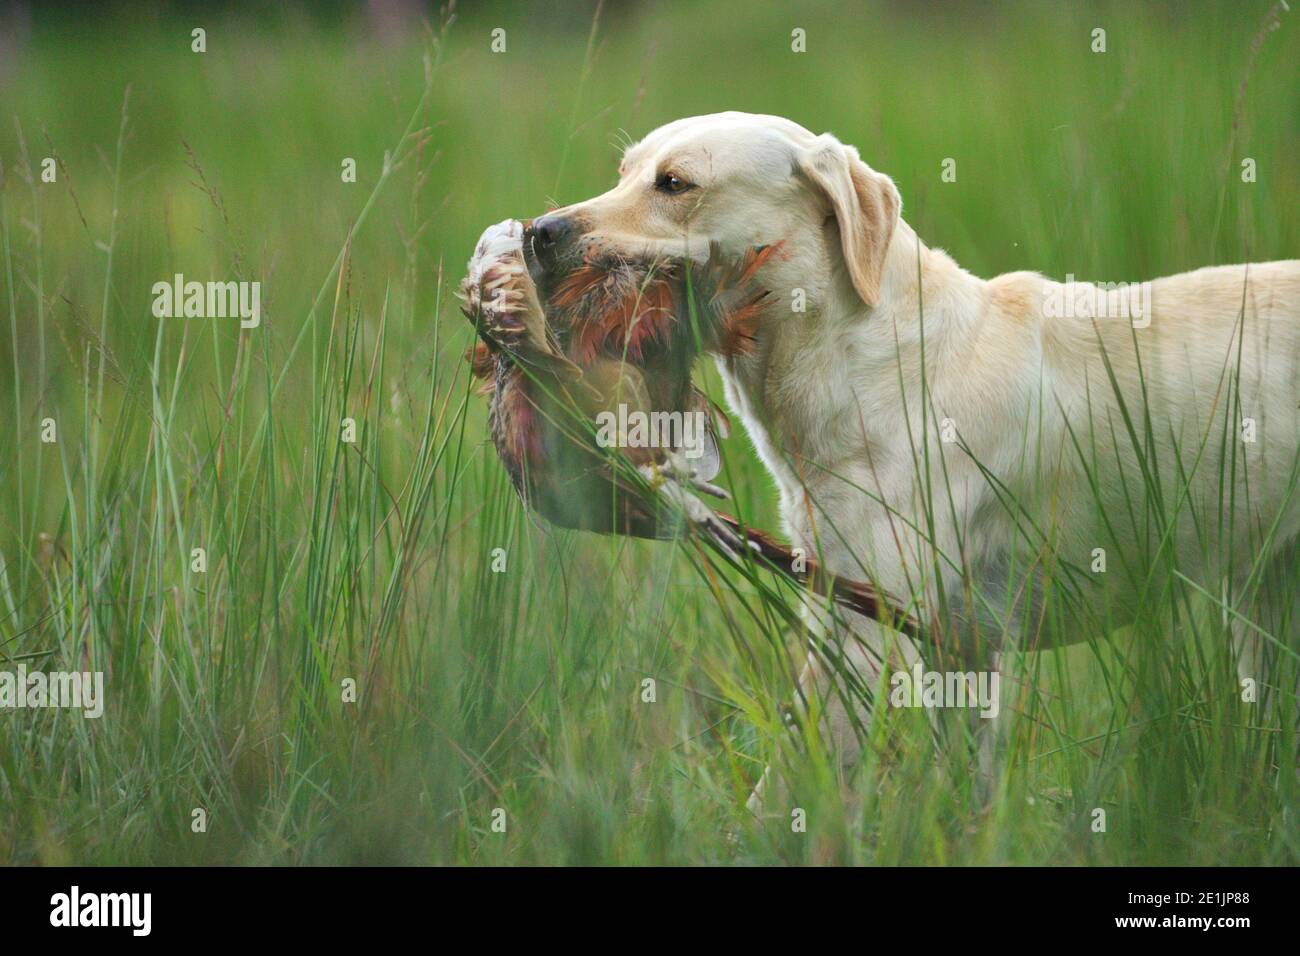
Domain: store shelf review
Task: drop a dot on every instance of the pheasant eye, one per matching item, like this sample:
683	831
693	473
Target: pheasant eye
671	183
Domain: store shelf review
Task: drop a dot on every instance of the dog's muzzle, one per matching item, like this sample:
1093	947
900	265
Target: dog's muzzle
549	244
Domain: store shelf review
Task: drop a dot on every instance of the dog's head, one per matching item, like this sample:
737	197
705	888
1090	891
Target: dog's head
735	181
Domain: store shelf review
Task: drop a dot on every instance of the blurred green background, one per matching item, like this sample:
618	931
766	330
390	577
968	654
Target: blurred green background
521	690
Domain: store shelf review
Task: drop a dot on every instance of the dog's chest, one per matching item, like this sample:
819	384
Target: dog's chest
809	411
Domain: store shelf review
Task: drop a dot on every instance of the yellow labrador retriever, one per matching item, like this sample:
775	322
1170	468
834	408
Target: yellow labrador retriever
995	450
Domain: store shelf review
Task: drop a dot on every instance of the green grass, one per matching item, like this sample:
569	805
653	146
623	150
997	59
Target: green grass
372	561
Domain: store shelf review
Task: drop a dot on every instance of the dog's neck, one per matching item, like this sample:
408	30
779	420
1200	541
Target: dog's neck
922	292
927	305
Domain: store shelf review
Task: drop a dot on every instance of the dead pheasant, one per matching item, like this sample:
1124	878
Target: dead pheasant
612	339
616	332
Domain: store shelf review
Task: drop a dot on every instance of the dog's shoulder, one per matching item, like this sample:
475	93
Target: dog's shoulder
1017	296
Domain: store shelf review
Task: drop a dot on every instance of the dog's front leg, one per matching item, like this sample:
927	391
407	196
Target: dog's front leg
990	733
840	682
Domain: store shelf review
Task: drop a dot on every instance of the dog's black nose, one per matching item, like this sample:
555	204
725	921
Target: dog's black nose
549	233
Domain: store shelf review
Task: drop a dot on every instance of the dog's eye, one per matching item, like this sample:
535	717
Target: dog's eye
671	183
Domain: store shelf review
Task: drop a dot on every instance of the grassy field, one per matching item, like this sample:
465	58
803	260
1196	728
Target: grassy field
371	561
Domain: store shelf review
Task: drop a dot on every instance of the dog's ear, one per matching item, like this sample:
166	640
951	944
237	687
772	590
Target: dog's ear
865	205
